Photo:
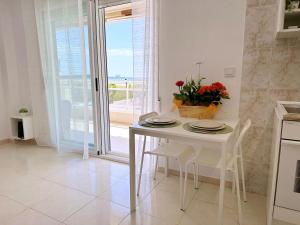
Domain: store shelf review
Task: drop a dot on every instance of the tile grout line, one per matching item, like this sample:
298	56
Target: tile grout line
44	214
78	210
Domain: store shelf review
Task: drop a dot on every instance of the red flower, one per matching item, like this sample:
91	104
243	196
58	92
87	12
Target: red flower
179	83
204	89
218	86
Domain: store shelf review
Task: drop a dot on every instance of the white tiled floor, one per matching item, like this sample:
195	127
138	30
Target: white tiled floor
38	186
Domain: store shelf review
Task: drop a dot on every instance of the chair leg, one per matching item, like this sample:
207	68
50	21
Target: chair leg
185	185
181	187
243	176
141	167
197	176
236	175
166	166
233	183
194	174
156	167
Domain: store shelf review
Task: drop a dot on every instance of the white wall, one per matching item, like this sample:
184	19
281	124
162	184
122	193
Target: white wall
4	130
14	60
21	66
201	30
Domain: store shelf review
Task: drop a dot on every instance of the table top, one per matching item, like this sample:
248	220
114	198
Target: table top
180	133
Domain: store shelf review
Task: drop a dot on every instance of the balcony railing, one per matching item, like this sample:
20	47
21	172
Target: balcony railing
121	104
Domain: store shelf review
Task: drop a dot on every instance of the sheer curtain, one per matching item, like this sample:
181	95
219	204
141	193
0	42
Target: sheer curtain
145	28
63	41
145	55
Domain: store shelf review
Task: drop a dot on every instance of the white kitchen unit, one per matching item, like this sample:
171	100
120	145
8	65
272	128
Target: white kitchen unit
288	23
283	196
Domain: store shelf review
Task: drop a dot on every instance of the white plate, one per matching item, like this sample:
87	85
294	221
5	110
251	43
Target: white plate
206	124
160	120
208	129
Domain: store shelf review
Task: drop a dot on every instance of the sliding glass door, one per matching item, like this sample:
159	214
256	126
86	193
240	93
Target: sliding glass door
86	49
62	27
113	76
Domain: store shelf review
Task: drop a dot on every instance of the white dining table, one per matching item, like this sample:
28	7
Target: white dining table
217	141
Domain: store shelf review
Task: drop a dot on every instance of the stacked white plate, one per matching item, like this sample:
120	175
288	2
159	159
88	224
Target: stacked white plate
207	125
160	120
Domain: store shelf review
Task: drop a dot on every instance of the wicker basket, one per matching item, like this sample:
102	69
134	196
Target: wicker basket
198	112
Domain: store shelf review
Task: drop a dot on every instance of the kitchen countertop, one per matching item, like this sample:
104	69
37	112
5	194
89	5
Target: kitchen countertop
289	110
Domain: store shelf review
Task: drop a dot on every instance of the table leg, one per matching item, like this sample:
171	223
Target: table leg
132	169
222	185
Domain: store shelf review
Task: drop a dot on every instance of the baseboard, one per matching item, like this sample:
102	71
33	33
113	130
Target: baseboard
210	180
5	141
26	142
286	215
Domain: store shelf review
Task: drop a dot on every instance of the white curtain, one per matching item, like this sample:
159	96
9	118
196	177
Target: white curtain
145	28
63	41
146	55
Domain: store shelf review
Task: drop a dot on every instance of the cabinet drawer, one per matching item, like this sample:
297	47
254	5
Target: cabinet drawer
291	130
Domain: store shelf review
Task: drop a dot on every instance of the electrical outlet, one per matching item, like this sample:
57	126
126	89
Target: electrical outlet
229	72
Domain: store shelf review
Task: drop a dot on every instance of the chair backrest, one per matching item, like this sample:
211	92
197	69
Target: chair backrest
241	136
143	118
147	115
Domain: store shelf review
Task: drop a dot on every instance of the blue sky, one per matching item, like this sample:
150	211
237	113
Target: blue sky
118	44
119	48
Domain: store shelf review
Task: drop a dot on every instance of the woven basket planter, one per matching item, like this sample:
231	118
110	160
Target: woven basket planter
198	112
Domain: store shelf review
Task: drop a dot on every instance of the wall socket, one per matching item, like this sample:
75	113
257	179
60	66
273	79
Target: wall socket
229	72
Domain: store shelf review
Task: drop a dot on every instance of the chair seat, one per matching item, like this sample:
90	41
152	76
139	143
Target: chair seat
173	150
212	158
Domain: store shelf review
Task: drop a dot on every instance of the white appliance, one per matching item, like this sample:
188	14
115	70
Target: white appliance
283	197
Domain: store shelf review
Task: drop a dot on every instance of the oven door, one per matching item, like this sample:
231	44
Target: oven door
288	182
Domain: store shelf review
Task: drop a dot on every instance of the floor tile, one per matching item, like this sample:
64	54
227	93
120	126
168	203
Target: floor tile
203	213
210	193
120	191
31	217
63	203
29	191
9	209
139	218
84	180
279	222
117	170
254	210
255	205
162	204
97	212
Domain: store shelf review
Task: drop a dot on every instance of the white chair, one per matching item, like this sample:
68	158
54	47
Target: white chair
212	158
178	151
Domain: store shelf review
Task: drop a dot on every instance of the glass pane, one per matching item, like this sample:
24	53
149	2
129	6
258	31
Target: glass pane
70	82
120	74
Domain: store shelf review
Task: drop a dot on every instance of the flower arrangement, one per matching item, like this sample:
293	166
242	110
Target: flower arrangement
192	93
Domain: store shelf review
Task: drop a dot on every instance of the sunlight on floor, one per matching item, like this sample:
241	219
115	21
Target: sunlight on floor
39	186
